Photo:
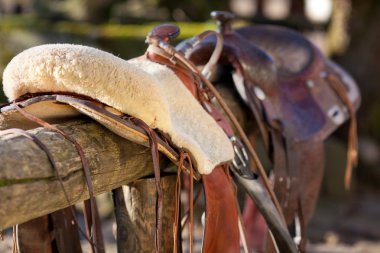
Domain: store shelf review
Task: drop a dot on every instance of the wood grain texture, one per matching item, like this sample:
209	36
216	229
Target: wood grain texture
121	215
140	199
28	186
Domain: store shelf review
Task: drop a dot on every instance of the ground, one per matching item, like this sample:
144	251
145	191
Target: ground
350	225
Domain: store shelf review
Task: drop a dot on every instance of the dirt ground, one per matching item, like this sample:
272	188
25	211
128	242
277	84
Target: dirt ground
350	225
346	226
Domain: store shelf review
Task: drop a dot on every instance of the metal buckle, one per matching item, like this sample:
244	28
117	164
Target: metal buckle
241	163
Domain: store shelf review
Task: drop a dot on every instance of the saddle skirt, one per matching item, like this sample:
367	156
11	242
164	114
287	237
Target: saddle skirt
140	88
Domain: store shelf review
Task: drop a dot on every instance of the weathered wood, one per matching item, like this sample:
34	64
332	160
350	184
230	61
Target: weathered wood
28	186
121	214
140	198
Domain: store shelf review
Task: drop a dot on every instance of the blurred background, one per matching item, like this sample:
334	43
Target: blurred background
346	30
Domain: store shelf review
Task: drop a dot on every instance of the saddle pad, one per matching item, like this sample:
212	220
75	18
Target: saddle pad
140	88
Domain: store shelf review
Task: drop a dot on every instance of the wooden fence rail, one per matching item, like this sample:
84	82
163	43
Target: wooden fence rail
29	187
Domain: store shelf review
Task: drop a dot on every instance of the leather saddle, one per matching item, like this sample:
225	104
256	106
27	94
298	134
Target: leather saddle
309	107
298	98
60	76
285	75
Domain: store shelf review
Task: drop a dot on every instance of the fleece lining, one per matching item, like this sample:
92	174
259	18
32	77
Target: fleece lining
140	88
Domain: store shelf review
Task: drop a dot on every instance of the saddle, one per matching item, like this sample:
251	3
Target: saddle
132	98
298	98
162	100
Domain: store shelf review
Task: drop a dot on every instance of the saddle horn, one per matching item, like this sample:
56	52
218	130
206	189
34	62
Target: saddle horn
223	20
165	32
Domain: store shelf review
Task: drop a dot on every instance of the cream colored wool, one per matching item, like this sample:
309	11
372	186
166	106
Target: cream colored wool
143	89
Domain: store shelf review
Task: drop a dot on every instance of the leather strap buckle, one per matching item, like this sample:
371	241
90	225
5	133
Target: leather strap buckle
240	163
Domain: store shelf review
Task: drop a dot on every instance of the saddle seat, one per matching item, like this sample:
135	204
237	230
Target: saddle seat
309	106
290	52
286	74
140	88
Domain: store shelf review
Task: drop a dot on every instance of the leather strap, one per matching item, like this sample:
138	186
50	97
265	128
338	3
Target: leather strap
217	237
221	229
173	54
177	226
352	152
156	164
63	223
92	232
308	158
185	76
281	173
118	122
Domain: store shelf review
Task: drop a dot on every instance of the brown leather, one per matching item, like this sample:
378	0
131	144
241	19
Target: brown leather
295	112
280	168
300	110
185	76
165	32
299	169
215	221
293	101
221	230
255	226
35	236
305	108
56	232
298	64
222	214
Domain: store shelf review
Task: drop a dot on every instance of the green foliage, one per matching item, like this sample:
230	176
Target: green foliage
195	10
18	33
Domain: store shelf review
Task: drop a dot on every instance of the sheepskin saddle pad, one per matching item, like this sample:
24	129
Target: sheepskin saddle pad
140	88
